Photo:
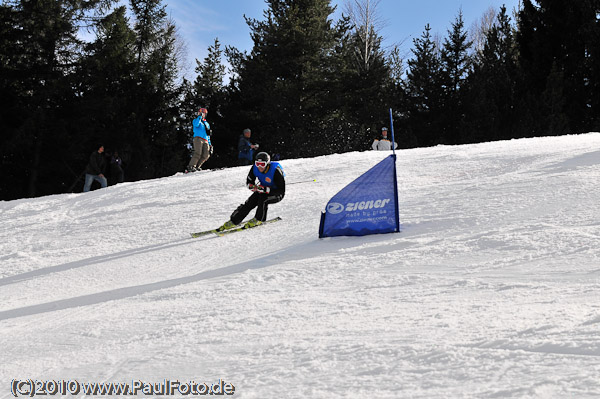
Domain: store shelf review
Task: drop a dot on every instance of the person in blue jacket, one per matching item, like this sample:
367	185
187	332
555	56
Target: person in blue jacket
246	148
202	145
266	180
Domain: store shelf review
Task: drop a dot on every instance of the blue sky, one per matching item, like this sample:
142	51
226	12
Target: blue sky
201	21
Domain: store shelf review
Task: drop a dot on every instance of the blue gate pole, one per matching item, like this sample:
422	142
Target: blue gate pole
395	175
392	127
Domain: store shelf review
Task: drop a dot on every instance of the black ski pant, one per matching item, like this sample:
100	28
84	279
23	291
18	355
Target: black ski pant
260	201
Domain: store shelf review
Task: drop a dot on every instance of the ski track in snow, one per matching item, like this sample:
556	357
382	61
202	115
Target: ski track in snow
490	290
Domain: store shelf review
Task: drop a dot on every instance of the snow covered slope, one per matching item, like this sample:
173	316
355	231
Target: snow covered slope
490	290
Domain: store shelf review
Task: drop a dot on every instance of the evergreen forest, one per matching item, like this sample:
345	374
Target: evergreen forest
311	85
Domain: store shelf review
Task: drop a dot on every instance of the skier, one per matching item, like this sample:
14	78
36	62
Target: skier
202	146
269	189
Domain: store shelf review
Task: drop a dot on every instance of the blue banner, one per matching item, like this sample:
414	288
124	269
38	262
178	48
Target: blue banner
368	205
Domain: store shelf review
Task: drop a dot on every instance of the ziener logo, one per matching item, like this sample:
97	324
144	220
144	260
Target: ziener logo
334	208
363	205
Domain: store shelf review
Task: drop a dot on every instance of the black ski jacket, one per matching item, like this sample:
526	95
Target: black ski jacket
96	164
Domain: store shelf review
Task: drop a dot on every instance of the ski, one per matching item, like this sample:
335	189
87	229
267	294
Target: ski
223	232
205	233
242	228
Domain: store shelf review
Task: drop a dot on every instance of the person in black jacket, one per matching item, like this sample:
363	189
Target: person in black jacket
95	170
116	168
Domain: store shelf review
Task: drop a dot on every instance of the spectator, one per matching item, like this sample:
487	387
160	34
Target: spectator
383	143
116	168
246	148
202	145
95	170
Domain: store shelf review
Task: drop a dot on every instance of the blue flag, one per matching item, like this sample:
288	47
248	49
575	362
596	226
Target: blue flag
368	205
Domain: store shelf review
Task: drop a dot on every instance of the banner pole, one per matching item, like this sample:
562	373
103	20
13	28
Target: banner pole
395	176
392	127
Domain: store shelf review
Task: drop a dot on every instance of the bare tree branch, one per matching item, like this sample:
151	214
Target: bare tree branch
481	27
367	22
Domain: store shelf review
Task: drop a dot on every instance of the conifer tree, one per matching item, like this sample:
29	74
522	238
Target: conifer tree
40	52
282	83
158	142
592	30
492	86
455	67
211	74
424	90
369	87
556	43
455	56
108	79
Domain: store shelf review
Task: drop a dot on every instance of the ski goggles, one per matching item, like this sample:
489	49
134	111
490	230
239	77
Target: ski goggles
260	164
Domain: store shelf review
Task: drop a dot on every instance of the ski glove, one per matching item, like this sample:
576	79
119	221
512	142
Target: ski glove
263	190
259	188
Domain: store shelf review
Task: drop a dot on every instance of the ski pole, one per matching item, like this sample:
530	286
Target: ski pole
300	182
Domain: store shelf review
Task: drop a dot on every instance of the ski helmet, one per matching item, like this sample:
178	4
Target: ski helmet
263	157
203	111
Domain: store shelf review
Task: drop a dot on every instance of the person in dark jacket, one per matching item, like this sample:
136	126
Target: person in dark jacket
269	189
95	170
116	168
246	148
